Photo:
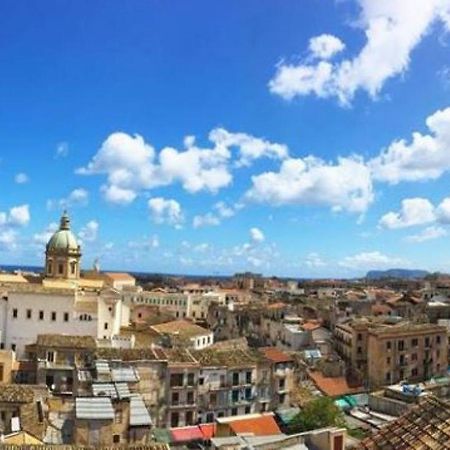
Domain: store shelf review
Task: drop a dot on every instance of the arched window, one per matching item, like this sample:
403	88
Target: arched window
73	267
49	267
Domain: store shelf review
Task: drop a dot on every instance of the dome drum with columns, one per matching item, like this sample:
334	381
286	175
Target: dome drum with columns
62	254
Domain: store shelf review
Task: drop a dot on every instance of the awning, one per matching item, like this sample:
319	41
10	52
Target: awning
208	430
162	435
186	434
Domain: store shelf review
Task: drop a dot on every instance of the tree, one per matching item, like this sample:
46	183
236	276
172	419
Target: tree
319	413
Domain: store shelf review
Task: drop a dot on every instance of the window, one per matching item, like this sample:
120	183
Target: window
50	356
359	350
427	342
190	398
414	357
388	377
28	313
66	317
41	315
13	347
415	342
60	269
189	418
388	345
359	337
247	410
73	266
438	339
235	378
191	379
14	313
248	377
282	384
201	381
175	398
248	393
234	411
49	268
105	326
401	345
116	438
53	316
1	372
235	396
388	360
174	419
414	372
176	379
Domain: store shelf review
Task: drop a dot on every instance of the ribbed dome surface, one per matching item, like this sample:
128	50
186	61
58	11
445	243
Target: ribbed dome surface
62	240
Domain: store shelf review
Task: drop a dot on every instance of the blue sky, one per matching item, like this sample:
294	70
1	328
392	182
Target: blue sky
298	138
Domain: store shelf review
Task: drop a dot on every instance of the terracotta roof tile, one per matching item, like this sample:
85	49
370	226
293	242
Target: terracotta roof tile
276	355
333	386
259	426
425	426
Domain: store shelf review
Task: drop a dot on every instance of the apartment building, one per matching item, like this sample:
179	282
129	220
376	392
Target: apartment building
412	352
389	350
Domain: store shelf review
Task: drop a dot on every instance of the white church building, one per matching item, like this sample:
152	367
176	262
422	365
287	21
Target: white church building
61	302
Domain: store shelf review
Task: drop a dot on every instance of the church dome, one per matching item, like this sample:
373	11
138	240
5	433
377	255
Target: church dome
63	239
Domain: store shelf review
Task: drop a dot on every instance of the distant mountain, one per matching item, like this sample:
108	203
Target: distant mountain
396	273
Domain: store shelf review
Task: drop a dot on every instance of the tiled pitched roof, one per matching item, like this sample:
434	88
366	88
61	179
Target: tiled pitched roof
333	386
263	425
276	355
149	446
16	393
183	328
426	426
65	341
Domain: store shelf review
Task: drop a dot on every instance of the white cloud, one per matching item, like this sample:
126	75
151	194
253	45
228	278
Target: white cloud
21	178
392	29
221	209
207	219
429	233
325	46
8	239
131	165
117	195
225	211
371	260
426	157
443	211
256	235
346	185
414	211
249	147
43	237
19	215
89	232
313	260
166	211
78	197
62	150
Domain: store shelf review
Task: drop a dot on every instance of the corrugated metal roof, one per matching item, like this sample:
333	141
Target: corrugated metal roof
123	390
92	408
84	375
139	415
104	390
102	367
124	374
